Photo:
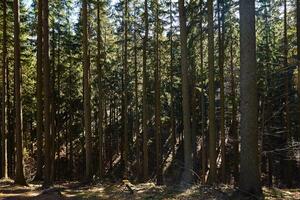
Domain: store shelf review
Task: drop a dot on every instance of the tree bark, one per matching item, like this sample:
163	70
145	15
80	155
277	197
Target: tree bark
249	165
172	117
145	100
47	95
19	178
87	95
211	95
188	162
221	37
4	94
125	94
39	91
203	147
100	108
159	172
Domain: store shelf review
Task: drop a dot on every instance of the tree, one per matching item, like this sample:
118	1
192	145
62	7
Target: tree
100	109
47	94
125	95
39	91
4	94
19	178
221	38
188	162
159	173
145	101
298	43
172	117
211	95
249	165
87	95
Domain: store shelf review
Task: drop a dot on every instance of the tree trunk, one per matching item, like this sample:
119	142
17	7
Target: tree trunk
87	95
100	109
203	148
298	53
188	162
47	96
125	95
211	95
172	117
137	122
39	90
221	37
19	178
249	165
288	168
234	131
4	94
145	100
159	172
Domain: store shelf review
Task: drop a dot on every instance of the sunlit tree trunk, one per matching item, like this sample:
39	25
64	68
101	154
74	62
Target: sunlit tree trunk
4	94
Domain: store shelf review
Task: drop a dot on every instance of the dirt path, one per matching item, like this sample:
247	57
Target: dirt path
147	191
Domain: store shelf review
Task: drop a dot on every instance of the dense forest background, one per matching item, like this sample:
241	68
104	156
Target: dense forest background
173	92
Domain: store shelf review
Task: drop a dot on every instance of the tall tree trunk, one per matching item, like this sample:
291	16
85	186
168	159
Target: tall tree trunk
172	118
286	67
298	52
249	166
221	38
234	131
87	95
145	100
125	95
288	168
137	123
47	95
211	95
203	148
39	91
4	94
159	172
188	161
100	109
19	178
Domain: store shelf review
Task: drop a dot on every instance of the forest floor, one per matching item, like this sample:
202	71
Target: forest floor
114	191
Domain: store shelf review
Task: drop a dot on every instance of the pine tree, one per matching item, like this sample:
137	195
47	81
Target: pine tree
19	178
249	165
188	162
47	95
87	96
4	94
211	95
39	91
159	175
145	93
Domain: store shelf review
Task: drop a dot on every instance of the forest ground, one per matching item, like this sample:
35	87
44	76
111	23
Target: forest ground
119	191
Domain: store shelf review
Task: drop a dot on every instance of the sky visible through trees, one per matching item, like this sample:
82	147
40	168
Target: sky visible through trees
176	94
